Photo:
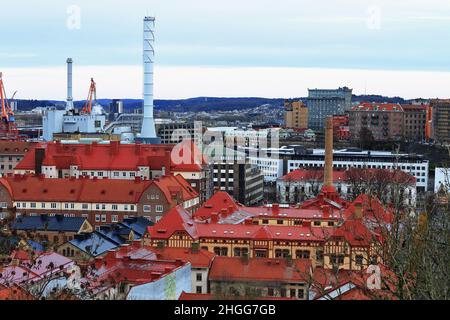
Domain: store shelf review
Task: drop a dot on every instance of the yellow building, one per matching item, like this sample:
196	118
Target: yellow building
296	115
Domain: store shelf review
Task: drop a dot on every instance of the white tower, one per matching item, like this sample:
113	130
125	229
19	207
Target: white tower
148	134
69	104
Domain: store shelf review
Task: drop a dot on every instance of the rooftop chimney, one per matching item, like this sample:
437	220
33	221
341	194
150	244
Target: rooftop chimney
69	103
148	133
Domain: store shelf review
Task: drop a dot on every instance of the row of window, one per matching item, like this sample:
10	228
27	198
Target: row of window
84	206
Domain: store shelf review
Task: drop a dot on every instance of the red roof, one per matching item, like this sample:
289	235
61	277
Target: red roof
179	220
260	269
198	259
220	200
126	268
38	188
367	106
115	156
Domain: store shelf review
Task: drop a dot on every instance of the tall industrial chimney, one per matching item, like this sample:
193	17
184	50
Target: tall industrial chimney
328	175
148	134
69	104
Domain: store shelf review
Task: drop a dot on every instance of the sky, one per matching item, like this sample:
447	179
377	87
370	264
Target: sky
262	48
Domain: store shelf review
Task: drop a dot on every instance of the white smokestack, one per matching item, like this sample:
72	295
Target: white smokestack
69	104
148	125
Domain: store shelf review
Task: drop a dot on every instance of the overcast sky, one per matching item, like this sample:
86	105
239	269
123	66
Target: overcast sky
262	48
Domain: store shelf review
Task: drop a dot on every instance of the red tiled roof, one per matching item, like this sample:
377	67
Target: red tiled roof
367	106
132	270
113	156
260	269
37	188
220	200
16	147
198	259
176	219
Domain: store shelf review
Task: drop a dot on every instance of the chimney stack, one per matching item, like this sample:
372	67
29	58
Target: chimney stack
69	103
328	176
148	132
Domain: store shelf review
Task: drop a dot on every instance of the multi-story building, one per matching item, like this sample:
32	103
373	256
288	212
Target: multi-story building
441	121
301	184
255	278
415	122
324	102
118	161
101	201
233	173
11	153
326	246
296	114
175	132
341	130
415	165
385	121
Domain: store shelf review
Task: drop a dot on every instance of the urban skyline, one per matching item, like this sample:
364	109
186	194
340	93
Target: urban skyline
374	47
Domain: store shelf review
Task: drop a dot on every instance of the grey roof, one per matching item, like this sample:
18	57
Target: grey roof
138	225
49	223
94	243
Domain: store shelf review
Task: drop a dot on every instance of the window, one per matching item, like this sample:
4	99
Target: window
116	174
84	206
97	218
114	218
265	221
281	253
33	205
199	277
292	293
317	223
132	207
53	205
302	254
337	259
103	207
147	208
359	259
66	206
198	289
319	255
240	252
270	292
159	208
43	205
300	293
114	207
221	251
279	221
103	217
72	206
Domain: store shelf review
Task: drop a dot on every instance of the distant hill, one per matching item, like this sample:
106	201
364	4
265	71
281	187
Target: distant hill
197	104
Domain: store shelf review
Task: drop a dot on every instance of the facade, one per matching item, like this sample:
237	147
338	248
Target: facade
323	102
441	121
415	165
233	173
385	121
301	184
101	201
12	153
415	122
117	161
341	130
176	132
326	246
267	278
296	115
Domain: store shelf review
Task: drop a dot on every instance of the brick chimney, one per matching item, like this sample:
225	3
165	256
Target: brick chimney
39	155
214	217
358	210
328	175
